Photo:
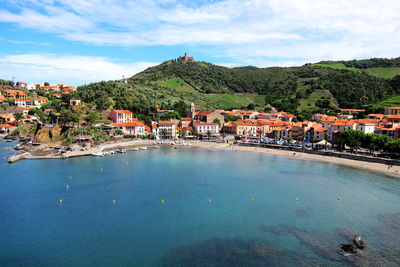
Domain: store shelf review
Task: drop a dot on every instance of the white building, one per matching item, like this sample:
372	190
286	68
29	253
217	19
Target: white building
166	129
366	127
204	128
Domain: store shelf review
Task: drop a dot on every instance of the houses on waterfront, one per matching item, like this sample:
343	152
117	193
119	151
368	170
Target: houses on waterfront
278	125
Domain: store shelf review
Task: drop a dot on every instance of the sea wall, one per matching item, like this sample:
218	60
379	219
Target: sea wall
327	153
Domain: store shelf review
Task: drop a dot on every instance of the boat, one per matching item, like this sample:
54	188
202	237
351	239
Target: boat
98	154
143	148
121	151
135	149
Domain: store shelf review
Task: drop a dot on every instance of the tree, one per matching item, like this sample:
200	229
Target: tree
232	117
170	115
326	138
91	117
260	133
118	132
46	84
182	108
17	116
223	135
251	106
209	134
217	121
313	140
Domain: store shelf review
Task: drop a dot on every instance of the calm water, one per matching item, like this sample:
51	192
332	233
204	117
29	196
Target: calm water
87	229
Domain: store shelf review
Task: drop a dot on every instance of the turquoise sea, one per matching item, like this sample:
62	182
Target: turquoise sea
221	208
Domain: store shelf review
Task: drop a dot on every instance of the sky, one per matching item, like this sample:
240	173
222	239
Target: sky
82	41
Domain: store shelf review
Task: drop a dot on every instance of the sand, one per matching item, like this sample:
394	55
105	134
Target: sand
374	167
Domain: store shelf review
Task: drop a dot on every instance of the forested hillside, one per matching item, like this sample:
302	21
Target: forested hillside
320	87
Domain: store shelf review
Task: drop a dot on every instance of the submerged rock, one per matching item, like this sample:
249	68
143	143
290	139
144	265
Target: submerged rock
348	248
235	252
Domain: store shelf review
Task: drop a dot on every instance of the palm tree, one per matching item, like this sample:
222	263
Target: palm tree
313	140
326	138
260	132
164	133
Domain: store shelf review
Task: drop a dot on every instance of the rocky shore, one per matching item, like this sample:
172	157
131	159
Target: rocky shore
30	151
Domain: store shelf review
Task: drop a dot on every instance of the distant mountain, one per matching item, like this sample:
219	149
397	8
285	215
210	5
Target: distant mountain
310	88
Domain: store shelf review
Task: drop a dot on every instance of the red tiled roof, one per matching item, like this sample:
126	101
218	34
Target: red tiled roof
122	111
205	124
203	112
128	124
165	122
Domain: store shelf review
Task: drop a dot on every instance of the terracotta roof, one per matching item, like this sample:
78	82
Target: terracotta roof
186	119
393	108
128	124
203	112
122	111
165	122
9	126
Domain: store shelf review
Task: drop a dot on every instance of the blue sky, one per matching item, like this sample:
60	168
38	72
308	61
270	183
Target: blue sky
82	41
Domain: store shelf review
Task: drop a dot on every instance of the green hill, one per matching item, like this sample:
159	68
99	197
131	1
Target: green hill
310	88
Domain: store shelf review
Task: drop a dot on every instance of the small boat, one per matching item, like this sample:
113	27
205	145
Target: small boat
143	148
135	149
98	154
121	151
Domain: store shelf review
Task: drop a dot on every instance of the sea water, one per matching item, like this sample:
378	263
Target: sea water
193	207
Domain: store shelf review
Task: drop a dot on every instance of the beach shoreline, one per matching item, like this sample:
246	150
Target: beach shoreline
380	168
393	171
80	153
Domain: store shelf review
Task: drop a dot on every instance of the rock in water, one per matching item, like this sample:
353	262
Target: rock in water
359	242
348	248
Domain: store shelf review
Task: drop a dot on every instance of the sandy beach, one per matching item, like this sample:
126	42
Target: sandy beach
375	167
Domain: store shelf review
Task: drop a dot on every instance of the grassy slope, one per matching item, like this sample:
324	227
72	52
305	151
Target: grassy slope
309	103
394	101
386	73
338	66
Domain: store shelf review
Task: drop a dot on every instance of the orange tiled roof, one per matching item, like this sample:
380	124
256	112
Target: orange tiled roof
203	112
122	111
165	122
128	124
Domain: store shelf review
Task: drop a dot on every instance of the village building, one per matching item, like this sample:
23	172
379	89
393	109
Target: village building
366	127
203	128
392	110
166	129
130	128
121	116
15	94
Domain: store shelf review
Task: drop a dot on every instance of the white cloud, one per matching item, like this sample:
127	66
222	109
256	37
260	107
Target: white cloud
72	69
301	29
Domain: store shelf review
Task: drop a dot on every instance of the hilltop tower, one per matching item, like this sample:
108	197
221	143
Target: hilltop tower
192	110
185	58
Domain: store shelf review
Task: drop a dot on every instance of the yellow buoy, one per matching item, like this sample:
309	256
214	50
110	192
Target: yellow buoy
162	201
297	199
114	201
70	177
209	200
252	199
380	197
67	187
338	198
101	169
60	201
